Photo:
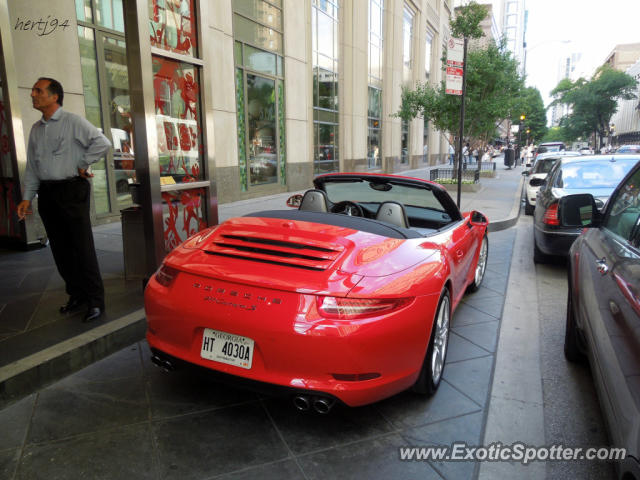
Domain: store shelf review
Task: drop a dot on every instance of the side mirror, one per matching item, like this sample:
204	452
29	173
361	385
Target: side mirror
526	172
578	211
536	182
478	219
294	201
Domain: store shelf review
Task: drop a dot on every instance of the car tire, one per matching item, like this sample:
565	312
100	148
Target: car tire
434	360
528	208
481	266
572	350
538	255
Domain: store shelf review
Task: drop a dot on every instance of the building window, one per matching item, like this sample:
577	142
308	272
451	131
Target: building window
374	137
374	115
407	45
106	97
324	24
404	131
259	92
428	55
172	26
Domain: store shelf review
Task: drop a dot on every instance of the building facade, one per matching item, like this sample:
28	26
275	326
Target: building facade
626	120
212	101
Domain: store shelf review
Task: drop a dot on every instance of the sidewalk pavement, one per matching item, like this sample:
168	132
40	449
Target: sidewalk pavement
38	346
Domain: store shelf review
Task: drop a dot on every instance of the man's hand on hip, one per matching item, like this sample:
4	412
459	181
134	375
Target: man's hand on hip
84	172
24	209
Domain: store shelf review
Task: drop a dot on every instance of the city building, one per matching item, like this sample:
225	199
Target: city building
212	101
623	56
568	67
626	121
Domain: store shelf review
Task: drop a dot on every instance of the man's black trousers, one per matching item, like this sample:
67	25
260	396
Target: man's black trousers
64	209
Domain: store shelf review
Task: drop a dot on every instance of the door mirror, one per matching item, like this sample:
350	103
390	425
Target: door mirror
578	211
294	201
478	219
526	172
536	182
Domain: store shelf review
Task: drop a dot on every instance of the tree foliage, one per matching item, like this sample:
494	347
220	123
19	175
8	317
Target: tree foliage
530	104
592	102
466	24
493	87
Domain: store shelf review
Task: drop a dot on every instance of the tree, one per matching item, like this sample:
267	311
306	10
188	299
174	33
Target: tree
529	103
492	86
556	134
592	102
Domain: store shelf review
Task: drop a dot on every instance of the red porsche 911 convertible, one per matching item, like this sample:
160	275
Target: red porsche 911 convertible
346	298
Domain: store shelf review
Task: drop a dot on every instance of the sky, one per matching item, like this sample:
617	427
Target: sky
592	27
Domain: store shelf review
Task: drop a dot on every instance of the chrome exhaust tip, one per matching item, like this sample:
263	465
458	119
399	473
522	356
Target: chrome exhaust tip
301	402
323	405
162	363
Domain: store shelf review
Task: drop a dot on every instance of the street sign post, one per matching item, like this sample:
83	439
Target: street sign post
455	85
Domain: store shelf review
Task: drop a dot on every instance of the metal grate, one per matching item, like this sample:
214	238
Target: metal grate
308	255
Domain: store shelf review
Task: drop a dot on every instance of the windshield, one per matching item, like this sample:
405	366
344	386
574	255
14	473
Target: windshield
600	174
544	165
556	147
364	191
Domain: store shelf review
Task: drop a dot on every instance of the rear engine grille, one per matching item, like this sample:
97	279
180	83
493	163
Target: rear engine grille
308	255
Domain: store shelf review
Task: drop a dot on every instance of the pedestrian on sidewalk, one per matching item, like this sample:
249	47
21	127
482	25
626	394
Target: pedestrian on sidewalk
465	153
451	154
61	148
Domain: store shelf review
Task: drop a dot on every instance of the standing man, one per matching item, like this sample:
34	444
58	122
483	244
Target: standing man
62	145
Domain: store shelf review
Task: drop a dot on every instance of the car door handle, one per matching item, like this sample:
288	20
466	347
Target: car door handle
602	267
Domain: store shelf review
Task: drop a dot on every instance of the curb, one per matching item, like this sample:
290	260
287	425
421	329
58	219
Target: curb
514	214
25	376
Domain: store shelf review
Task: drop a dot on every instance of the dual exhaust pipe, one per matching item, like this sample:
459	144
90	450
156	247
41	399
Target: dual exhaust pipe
305	403
163	362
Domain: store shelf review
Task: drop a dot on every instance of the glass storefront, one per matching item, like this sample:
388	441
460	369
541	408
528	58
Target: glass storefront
176	87
105	81
257	30
374	111
9	188
324	25
172	26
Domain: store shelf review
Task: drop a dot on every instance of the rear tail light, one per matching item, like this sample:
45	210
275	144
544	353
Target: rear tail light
351	308
551	215
166	275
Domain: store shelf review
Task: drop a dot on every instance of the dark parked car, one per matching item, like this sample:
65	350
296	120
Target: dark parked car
603	308
594	174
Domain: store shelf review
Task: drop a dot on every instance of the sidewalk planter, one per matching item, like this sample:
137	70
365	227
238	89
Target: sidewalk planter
466	187
447	177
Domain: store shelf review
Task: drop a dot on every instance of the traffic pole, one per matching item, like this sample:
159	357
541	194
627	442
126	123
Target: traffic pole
461	134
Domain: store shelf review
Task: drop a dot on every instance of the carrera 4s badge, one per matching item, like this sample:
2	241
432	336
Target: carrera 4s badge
223	296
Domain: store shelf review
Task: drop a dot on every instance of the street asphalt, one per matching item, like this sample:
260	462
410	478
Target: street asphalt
91	404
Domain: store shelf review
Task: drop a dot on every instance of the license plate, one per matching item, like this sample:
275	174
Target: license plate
227	348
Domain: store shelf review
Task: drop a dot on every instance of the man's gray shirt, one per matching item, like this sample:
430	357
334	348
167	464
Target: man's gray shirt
58	147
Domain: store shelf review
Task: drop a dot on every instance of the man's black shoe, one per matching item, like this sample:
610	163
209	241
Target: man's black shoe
72	305
92	314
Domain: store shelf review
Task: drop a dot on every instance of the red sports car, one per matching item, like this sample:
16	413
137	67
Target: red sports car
346	298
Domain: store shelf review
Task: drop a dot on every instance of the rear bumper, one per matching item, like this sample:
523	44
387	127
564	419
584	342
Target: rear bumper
555	242
295	349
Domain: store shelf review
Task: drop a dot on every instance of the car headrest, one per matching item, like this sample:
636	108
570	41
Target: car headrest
393	213
314	201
